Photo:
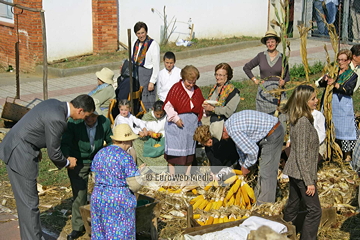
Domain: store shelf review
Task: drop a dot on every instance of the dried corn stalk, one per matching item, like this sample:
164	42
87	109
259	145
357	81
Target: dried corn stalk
283	23
331	68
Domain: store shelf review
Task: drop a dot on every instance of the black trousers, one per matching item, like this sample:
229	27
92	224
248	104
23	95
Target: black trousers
313	208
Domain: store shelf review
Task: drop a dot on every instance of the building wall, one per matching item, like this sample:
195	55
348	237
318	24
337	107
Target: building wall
30	37
68	28
105	30
211	19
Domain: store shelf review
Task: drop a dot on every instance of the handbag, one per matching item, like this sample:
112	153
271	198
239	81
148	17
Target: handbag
154	147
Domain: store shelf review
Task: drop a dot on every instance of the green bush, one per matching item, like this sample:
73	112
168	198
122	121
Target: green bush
298	71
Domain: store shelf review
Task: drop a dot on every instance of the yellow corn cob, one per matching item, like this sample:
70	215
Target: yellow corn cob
233	189
216	220
245	195
194	200
198	202
209	206
238	197
203	204
231	201
209	221
230	180
221	219
209	185
200	222
226	219
161	189
174	191
237	172
194	191
196	216
250	192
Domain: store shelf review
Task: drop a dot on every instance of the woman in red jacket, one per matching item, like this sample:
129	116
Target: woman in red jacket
183	106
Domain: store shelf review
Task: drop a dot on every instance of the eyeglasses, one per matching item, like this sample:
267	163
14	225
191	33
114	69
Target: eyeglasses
342	60
219	75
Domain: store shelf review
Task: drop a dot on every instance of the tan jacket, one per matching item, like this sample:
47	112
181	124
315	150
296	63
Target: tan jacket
303	159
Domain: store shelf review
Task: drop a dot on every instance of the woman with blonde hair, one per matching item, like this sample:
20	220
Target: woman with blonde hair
183	107
301	166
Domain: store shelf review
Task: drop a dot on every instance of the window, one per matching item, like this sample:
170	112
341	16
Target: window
5	12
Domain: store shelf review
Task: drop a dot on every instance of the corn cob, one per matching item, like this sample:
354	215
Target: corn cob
210	220
194	191
200	222
237	172
230	180
199	202
194	200
245	195
209	185
233	189
196	216
209	205
250	192
231	201
203	204
238	197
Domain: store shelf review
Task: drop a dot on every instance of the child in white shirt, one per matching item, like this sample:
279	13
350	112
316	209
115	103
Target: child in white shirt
168	76
138	126
156	122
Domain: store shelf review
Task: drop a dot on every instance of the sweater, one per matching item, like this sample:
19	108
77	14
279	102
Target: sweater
303	159
180	100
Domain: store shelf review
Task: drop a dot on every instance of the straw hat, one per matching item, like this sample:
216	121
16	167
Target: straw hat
216	129
270	33
105	75
123	132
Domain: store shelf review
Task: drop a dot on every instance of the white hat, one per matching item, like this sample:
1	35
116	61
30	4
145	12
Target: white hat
123	132
105	75
216	129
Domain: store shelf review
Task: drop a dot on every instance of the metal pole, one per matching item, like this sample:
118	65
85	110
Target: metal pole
130	71
17	59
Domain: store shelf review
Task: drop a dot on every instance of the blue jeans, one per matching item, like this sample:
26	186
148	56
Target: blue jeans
318	12
331	12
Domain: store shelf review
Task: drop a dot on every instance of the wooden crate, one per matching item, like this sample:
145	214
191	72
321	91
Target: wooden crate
13	111
195	229
146	218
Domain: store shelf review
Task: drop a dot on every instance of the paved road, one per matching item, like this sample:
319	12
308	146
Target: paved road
67	88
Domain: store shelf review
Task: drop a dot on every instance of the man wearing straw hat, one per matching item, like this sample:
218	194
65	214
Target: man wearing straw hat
41	127
104	90
82	140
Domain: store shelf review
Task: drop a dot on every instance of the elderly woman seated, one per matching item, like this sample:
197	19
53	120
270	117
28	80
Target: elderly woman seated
104	91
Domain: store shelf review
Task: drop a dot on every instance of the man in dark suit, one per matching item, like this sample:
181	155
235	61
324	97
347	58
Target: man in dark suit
41	127
82	140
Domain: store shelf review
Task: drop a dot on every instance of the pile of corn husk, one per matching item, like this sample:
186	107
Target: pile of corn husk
336	187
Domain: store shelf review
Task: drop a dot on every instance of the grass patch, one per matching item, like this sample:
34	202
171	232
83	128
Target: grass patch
46	177
93	59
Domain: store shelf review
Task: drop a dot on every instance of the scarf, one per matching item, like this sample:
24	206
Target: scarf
99	87
142	51
223	94
345	76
